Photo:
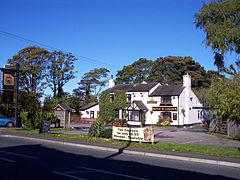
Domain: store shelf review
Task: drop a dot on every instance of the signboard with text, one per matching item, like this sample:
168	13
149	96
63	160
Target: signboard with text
145	134
164	108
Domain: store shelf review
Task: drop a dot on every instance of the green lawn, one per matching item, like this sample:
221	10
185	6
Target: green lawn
166	146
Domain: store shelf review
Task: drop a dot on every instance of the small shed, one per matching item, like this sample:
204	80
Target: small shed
63	112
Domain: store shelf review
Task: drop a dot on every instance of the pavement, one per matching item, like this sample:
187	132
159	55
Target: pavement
182	135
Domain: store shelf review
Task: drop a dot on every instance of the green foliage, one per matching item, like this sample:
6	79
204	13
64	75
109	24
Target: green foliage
29	101
135	73
32	60
106	108
91	84
60	71
170	70
96	128
120	100
220	20
25	119
106	133
33	120
224	96
163	121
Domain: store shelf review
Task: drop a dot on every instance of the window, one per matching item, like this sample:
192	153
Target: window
128	97
141	94
91	114
166	115
174	116
166	100
117	113
111	98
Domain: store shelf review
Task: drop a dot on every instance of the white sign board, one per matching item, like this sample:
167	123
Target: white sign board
145	134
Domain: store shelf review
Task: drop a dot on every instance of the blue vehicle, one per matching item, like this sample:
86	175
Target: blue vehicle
6	122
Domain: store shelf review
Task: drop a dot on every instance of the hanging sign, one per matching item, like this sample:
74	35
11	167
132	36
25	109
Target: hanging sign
8	79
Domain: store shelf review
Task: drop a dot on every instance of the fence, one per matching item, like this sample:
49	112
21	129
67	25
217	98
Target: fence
78	119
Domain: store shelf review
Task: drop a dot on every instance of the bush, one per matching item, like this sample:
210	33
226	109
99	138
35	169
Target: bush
106	133
96	128
163	122
25	119
33	120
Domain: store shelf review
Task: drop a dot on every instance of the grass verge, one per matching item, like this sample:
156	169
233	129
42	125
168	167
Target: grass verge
165	146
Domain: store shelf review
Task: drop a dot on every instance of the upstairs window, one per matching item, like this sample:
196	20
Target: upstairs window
111	98
166	100
128	97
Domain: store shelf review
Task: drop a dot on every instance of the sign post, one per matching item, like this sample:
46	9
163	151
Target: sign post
9	83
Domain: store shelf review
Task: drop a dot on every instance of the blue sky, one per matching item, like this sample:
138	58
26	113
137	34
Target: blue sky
112	33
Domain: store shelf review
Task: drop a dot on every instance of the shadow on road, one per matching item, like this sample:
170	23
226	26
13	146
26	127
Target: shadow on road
51	160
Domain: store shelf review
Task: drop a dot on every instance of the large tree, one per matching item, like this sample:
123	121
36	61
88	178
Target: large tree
220	20
137	72
60	71
32	62
224	96
92	83
170	70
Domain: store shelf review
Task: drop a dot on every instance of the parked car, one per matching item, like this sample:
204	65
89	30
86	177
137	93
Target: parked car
7	122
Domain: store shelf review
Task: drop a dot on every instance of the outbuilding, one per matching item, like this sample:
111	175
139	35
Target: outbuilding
63	112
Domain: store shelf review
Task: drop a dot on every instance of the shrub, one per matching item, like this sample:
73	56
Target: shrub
96	128
106	133
163	121
25	119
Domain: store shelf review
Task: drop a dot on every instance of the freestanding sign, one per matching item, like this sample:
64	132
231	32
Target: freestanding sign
8	86
145	134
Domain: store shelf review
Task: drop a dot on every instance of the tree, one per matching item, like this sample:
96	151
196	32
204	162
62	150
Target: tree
135	73
92	83
220	20
32	60
60	70
170	70
224	96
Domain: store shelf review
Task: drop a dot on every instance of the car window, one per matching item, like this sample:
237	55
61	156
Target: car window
1	116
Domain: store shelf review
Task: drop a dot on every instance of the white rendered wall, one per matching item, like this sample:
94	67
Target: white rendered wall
87	115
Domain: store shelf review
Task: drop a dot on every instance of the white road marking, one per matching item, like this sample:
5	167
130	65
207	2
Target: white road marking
8	160
22	155
67	175
75	172
112	173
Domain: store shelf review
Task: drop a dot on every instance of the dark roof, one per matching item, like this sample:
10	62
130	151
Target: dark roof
142	87
120	87
132	87
167	90
140	105
64	107
87	106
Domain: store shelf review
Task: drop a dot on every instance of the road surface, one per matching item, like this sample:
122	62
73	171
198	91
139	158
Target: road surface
26	159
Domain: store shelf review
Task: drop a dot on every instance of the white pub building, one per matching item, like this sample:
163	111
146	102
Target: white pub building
152	101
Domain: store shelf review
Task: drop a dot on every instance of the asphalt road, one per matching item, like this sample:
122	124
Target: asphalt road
26	159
